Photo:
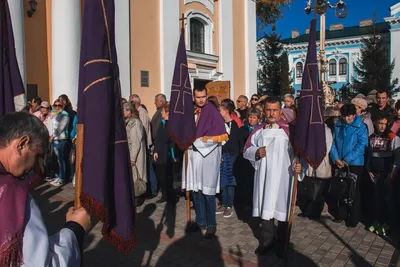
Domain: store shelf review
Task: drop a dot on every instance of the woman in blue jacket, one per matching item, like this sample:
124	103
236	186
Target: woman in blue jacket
350	140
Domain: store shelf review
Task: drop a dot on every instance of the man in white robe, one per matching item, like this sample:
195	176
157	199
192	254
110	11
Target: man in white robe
204	159
23	236
271	154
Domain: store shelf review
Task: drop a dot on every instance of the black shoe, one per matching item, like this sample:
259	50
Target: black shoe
161	200
211	230
337	221
264	249
151	196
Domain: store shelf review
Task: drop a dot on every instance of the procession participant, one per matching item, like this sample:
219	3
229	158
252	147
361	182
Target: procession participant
204	158
230	151
270	152
23	236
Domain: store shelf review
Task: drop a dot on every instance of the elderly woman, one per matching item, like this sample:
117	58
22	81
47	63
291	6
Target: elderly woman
137	143
350	140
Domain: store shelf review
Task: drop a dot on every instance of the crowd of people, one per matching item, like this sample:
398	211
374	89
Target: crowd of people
223	164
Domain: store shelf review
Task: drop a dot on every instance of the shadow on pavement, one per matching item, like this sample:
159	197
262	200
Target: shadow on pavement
192	249
355	258
99	252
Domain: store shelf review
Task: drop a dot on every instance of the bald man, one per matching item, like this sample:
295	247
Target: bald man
241	104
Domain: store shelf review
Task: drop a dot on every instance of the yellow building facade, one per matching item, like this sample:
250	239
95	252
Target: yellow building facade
220	38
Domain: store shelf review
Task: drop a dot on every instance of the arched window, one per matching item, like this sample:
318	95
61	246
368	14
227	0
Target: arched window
342	66
299	70
196	36
332	67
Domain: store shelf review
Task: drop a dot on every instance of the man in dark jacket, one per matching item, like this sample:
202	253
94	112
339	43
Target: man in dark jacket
159	101
382	108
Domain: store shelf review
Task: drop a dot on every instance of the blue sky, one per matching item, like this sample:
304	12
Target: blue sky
294	17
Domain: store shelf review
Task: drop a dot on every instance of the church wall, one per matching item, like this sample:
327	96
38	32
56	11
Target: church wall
36	47
145	49
225	15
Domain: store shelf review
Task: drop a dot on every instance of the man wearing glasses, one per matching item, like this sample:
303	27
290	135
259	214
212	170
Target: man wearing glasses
241	104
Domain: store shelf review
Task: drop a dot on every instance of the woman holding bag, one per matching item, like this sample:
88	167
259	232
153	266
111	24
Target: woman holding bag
350	140
137	148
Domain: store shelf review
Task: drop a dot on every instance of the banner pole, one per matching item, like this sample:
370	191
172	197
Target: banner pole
188	215
291	213
78	165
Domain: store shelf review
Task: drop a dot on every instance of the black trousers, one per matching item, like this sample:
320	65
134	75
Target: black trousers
164	179
313	209
268	234
341	211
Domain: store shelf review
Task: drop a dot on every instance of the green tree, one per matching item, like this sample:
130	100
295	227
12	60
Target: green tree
373	68
285	80
270	77
347	93
269	11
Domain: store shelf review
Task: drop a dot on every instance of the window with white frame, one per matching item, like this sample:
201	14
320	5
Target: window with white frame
299	70
343	66
197	36
332	67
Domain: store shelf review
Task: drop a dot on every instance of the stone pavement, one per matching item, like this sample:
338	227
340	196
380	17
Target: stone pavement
161	239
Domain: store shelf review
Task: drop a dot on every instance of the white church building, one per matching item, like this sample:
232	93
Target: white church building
342	49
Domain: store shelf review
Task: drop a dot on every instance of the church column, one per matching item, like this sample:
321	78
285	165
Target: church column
123	44
169	38
17	20
251	60
66	40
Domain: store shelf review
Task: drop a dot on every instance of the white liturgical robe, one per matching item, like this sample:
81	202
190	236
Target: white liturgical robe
273	178
203	170
39	249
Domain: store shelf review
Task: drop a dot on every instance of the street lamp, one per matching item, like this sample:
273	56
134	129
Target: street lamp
32	5
321	7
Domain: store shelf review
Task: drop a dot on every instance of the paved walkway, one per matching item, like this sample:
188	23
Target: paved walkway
161	240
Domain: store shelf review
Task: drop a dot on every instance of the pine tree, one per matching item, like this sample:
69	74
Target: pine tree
262	77
269	74
373	68
284	75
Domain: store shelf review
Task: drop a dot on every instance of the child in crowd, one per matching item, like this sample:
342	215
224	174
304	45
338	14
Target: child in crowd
230	150
383	155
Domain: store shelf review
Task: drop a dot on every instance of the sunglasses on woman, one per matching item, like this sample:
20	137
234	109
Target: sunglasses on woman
254	99
57	106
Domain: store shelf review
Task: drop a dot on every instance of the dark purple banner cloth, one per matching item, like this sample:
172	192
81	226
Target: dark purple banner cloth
107	176
181	124
10	78
310	129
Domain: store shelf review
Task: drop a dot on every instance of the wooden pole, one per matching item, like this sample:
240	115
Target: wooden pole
322	47
188	214
182	19
291	213
78	165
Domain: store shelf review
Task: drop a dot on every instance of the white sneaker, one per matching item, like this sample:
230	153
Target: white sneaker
57	183
228	212
49	179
